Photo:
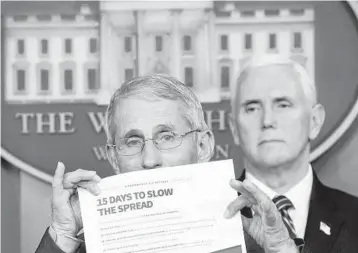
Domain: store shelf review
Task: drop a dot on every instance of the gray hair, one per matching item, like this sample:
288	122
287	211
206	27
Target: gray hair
152	88
256	61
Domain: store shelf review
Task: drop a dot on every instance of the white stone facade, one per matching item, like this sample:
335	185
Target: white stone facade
202	43
261	31
48	58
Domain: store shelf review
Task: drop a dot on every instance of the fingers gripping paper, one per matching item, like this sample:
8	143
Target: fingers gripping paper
176	209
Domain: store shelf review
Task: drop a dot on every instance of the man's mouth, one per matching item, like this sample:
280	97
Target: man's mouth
270	141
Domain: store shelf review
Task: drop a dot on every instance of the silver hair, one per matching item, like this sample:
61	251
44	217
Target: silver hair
256	61
152	88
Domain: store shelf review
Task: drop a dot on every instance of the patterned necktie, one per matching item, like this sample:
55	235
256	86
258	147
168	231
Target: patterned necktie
283	204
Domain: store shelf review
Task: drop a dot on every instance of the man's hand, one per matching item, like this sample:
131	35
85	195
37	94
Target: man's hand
66	214
266	226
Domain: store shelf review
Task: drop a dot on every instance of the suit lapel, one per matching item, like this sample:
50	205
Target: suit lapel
324	221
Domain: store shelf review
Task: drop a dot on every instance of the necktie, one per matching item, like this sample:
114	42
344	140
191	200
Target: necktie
283	204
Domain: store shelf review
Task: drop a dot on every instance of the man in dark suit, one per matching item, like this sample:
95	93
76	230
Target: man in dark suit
275	115
143	115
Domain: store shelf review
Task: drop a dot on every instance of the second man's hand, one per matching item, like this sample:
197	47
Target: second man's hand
266	226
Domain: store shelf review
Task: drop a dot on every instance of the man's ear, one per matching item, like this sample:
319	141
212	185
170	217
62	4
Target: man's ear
206	142
318	115
112	158
233	128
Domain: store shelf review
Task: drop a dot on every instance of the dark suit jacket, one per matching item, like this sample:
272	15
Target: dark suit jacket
339	211
336	209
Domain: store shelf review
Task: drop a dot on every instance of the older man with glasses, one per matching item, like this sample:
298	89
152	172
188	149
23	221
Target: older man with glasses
152	122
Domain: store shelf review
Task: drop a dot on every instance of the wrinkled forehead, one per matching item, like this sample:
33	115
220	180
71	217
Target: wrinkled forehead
270	81
149	116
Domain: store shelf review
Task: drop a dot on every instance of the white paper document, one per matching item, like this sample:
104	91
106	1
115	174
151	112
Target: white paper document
177	209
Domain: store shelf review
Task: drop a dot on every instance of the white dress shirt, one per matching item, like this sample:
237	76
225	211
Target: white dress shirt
299	195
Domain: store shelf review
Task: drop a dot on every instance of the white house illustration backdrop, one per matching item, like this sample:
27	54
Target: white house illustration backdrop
83	53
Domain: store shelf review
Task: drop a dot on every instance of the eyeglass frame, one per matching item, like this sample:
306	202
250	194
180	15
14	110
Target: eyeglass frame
153	139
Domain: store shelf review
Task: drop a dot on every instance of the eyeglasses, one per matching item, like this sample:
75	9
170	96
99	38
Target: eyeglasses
163	141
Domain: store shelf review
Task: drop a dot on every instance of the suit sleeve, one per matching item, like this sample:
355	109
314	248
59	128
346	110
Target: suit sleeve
47	245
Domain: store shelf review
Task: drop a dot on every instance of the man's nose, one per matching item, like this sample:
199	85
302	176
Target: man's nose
151	156
268	118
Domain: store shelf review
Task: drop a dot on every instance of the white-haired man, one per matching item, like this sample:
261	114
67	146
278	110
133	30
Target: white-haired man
275	115
153	121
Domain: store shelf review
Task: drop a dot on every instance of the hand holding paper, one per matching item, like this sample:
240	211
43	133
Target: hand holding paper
266	226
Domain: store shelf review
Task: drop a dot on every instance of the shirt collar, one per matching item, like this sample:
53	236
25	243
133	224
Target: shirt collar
267	190
301	192
298	194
